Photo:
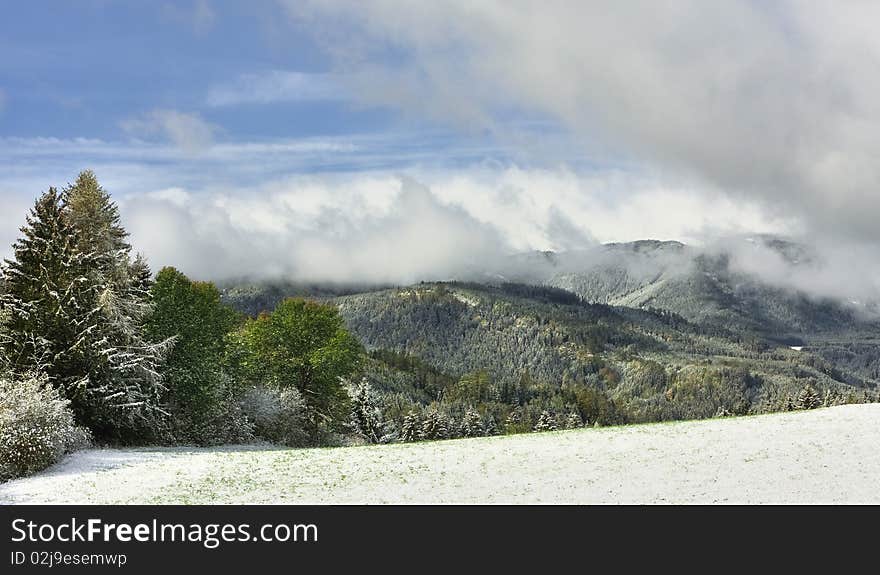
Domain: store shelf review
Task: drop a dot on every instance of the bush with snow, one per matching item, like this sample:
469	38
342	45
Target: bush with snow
36	426
277	416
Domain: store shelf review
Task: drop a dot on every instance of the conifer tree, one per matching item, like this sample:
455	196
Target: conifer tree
573	420
73	311
832	397
45	301
546	422
490	427
472	424
366	417
127	371
808	398
410	429
435	426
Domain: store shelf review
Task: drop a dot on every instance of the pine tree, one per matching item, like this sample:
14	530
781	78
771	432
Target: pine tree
491	428
573	420
47	302
73	311
96	219
832	397
472	424
141	279
515	421
410	429
435	426
546	422
808	398
366	416
127	371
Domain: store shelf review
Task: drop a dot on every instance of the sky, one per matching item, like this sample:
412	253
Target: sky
393	141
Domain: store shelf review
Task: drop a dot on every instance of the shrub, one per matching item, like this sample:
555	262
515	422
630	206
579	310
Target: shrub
572	421
225	423
36	427
277	416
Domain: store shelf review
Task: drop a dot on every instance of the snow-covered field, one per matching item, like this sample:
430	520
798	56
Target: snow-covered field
822	456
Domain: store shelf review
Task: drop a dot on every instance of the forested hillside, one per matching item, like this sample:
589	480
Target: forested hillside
641	331
651	365
702	286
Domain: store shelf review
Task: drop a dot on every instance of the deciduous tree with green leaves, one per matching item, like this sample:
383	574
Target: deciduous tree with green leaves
305	345
198	392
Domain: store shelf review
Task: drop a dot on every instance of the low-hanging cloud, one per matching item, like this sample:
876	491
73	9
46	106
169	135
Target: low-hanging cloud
372	227
772	101
386	230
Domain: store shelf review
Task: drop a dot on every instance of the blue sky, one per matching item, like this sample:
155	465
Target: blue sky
82	69
518	125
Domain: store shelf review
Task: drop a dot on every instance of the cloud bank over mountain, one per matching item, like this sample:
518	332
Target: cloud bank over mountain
775	102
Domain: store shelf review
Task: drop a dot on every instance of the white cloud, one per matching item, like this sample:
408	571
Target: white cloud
375	227
379	229
189	132
775	102
262	211
278	86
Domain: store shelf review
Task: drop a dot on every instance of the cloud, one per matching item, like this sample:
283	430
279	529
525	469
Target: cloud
846	271
431	224
258	193
370	230
774	102
189	132
278	86
375	227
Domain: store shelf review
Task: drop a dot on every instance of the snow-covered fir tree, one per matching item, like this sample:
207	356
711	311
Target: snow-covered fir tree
75	307
490	427
472	424
573	420
435	426
127	374
832	397
808	398
47	302
366	416
546	422
411	428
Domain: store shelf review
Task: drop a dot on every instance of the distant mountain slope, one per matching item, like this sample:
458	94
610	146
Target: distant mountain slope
700	286
663	330
657	364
